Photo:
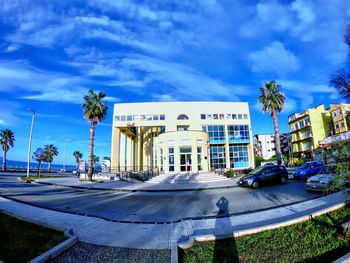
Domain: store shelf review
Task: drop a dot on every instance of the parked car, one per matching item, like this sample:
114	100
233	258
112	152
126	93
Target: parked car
308	169
264	175
321	181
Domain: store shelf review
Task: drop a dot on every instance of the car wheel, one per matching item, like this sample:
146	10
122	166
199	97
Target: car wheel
283	180
255	185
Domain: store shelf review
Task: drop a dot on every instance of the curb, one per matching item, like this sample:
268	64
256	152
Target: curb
140	190
343	259
200	238
57	250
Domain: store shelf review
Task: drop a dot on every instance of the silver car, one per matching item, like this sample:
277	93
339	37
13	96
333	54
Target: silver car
321	181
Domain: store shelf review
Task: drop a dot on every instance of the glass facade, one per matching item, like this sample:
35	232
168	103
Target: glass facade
216	133
171	159
239	156
238	134
217	157
199	158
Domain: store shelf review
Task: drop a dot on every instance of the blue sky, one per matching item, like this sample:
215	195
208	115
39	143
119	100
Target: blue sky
52	52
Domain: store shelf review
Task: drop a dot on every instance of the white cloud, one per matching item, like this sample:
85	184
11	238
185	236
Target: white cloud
274	58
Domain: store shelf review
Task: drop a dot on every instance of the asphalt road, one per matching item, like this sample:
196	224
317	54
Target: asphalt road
154	207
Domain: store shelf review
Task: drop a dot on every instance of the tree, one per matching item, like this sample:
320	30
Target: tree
94	111
341	82
95	159
49	152
341	79
107	158
7	139
39	156
340	155
273	102
77	155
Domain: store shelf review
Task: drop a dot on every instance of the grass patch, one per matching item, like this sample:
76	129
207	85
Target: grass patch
36	177
316	240
21	241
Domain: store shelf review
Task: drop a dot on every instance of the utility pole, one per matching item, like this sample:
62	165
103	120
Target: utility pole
30	140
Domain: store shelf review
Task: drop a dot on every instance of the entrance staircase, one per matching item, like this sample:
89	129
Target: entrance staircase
185	178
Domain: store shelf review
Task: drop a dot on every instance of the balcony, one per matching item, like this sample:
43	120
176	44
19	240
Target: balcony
302	138
296	116
342	137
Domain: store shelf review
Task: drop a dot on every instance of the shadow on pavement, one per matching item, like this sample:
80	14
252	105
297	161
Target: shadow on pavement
225	250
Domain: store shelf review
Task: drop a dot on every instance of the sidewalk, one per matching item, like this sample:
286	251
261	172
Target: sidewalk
165	236
139	186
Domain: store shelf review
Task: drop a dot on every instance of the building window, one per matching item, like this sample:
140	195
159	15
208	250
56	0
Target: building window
182	117
239	156
161	159
301	124
202	116
238	133
155	117
171	159
162	117
117	118
183	127
136	117
199	158
129	117
148	117
229	116
221	116
245	116
215	116
335	114
161	129
143	117
216	133
217	157
123	118
239	116
234	116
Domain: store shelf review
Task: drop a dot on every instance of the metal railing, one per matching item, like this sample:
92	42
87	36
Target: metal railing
131	173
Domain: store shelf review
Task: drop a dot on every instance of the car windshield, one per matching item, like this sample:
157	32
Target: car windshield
305	166
256	170
329	169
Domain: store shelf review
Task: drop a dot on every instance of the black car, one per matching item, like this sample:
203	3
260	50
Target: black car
264	175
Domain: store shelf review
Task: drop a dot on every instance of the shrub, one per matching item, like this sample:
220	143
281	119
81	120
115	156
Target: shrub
230	173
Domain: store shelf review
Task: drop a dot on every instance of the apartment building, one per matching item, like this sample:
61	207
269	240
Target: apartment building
308	130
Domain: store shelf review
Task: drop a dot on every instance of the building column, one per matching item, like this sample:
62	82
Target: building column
140	146
227	148
115	162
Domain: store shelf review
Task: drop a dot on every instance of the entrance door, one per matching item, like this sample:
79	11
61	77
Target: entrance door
185	159
185	162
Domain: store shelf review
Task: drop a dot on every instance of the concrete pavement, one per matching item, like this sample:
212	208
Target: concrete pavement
165	236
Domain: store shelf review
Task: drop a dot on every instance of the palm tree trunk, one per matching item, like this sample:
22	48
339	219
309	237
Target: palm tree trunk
91	150
277	137
77	165
38	173
49	167
4	162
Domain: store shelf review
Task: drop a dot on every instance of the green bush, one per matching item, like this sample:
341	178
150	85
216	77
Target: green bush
230	173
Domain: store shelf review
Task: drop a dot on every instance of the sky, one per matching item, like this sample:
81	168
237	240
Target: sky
53	52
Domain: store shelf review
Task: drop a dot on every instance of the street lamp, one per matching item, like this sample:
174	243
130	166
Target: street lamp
30	140
64	152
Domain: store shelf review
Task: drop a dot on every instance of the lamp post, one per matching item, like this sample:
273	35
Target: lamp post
64	152
30	140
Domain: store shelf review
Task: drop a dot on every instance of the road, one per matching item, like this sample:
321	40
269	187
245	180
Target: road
153	206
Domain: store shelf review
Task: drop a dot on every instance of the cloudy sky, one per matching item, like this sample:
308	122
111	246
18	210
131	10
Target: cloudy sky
52	52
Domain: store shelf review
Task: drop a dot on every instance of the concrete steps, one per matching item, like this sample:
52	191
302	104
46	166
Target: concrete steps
187	178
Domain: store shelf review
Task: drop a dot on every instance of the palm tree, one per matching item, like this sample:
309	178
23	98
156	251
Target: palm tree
39	156
95	159
49	152
273	102
94	111
107	158
77	155
7	139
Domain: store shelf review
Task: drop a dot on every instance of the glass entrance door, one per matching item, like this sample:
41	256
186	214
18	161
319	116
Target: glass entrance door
185	159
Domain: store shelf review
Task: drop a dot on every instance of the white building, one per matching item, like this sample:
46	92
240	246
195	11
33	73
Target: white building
265	145
182	136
